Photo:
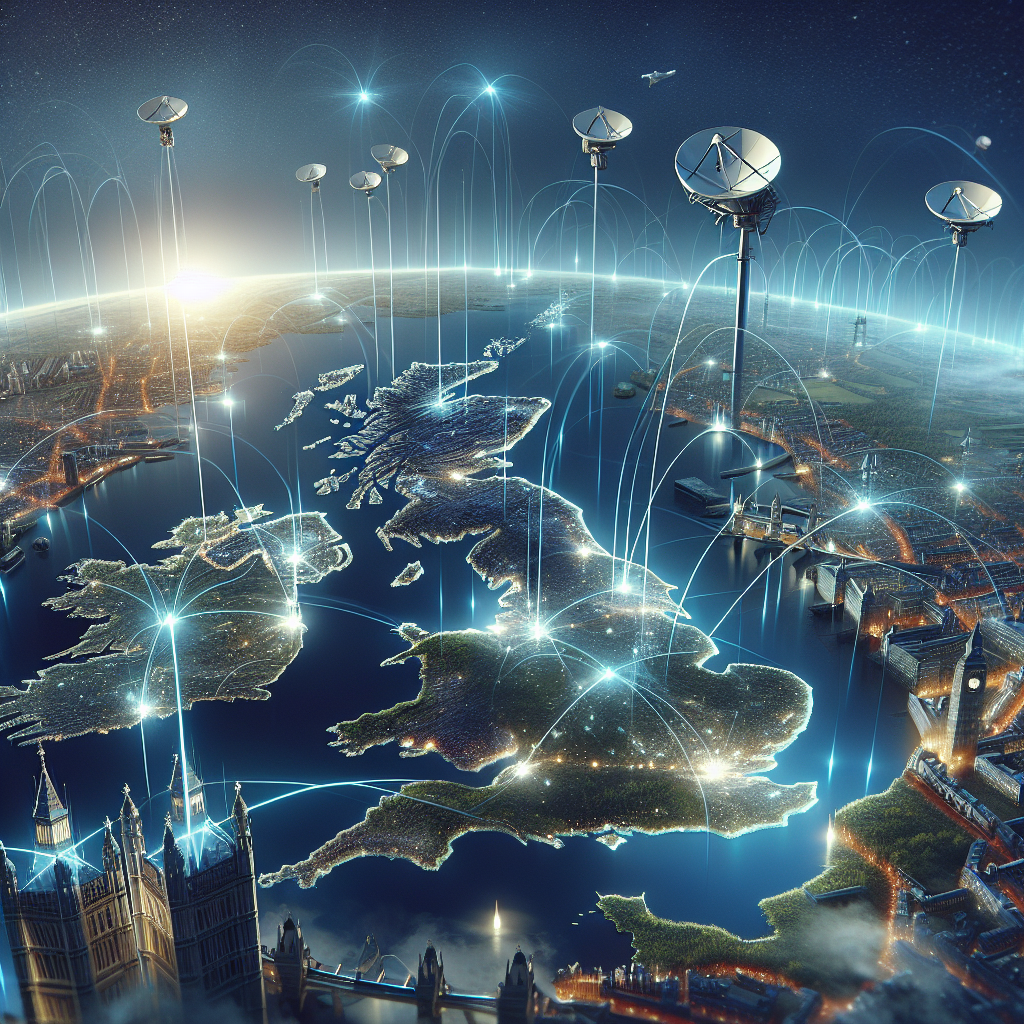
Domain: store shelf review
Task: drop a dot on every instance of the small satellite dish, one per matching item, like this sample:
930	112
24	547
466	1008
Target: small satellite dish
983	142
162	111
965	206
311	173
600	130
389	157
722	164
365	181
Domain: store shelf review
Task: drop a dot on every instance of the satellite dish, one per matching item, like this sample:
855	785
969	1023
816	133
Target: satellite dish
600	130
728	169
389	157
965	206
162	111
983	142
365	181
311	173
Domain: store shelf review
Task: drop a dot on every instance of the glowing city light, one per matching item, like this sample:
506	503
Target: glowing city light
608	673
863	505
97	331
623	587
711	362
293	621
758	463
490	90
170	622
539	632
960	486
714	769
522	769
295	557
583	552
363	97
144	709
602	344
229	402
920	327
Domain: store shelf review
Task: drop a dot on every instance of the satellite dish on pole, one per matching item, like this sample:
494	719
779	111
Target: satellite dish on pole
311	173
730	171
965	206
389	157
162	111
600	130
365	181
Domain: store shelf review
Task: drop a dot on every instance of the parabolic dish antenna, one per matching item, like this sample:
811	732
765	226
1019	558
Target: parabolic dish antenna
389	157
600	129
722	164
311	173
162	111
365	181
965	206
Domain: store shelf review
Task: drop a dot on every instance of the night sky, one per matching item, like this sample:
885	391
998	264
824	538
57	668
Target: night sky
273	85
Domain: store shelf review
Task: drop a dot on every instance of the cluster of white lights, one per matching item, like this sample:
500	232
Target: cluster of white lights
539	632
170	622
863	505
295	557
960	486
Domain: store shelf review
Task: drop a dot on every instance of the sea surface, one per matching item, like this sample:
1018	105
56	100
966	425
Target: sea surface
545	896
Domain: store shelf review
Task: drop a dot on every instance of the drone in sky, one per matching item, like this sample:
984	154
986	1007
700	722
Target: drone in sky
656	76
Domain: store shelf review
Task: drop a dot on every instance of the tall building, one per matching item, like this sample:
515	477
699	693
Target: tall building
517	995
966	702
83	937
211	887
69	460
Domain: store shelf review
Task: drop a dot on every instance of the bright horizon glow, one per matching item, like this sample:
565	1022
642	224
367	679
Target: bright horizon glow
196	286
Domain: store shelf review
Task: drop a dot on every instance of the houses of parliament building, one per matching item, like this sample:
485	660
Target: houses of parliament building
179	927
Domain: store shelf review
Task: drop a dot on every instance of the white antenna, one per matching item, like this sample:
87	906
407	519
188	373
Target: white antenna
730	170
162	111
965	206
390	157
365	181
311	173
600	129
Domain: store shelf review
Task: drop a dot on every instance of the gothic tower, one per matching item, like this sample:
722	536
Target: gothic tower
963	720
147	899
211	889
517	1000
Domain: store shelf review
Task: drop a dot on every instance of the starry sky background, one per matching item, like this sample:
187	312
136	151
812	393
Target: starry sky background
271	85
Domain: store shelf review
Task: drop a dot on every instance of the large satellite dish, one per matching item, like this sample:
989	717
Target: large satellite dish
389	157
365	181
728	169
311	173
600	130
965	206
162	111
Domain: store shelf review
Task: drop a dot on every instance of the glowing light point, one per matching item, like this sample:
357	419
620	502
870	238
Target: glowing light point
714	769
97	331
711	362
608	673
920	327
144	709
602	344
497	918
522	769
363	97
170	622
539	632
294	621
863	505
960	486
489	90
583	552
623	587
295	557
758	463
229	402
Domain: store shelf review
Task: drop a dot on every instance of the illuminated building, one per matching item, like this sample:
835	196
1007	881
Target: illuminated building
82	938
966	702
517	995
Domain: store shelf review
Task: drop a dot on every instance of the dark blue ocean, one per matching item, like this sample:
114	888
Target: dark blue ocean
541	892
